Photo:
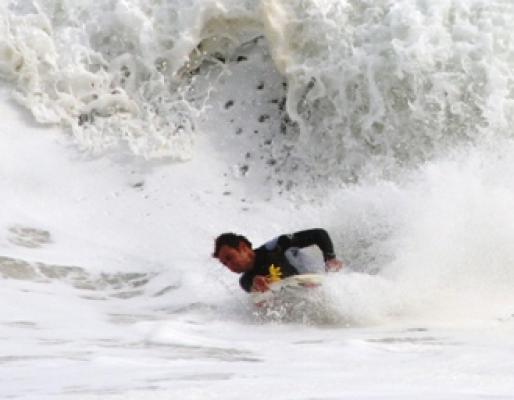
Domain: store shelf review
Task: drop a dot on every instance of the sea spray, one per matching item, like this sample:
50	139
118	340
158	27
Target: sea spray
436	247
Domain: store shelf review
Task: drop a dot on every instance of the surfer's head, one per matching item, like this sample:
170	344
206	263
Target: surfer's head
234	251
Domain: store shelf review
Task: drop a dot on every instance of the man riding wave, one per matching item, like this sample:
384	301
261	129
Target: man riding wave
272	261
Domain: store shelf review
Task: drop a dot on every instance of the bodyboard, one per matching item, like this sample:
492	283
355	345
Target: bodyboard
289	284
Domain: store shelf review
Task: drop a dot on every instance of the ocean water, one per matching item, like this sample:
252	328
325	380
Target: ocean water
132	133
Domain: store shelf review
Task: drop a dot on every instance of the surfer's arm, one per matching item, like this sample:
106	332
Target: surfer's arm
260	284
246	282
310	237
257	283
333	265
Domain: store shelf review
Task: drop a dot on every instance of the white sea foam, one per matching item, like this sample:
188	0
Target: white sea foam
371	86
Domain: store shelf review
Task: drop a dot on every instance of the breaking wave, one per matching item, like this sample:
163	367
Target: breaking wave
368	87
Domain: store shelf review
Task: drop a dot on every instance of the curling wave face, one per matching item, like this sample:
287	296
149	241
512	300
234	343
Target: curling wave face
368	87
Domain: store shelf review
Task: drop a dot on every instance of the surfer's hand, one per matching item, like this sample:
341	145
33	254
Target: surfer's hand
260	283
333	265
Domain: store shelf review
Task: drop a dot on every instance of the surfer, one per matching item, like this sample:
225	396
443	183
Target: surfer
273	260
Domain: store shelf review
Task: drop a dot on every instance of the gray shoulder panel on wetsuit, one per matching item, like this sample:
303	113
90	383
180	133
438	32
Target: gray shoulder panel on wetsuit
271	244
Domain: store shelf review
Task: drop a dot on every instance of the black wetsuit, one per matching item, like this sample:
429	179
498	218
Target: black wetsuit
273	258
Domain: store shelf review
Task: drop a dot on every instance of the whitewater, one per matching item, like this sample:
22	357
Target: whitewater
133	132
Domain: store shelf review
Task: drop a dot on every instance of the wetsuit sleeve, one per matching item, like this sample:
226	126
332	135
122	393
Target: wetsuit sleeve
246	282
310	237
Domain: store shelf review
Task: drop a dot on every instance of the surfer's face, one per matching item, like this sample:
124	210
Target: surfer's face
238	259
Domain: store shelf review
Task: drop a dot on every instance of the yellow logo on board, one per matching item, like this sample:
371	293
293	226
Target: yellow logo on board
275	274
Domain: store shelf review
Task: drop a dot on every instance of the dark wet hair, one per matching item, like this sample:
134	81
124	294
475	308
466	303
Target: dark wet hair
229	239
